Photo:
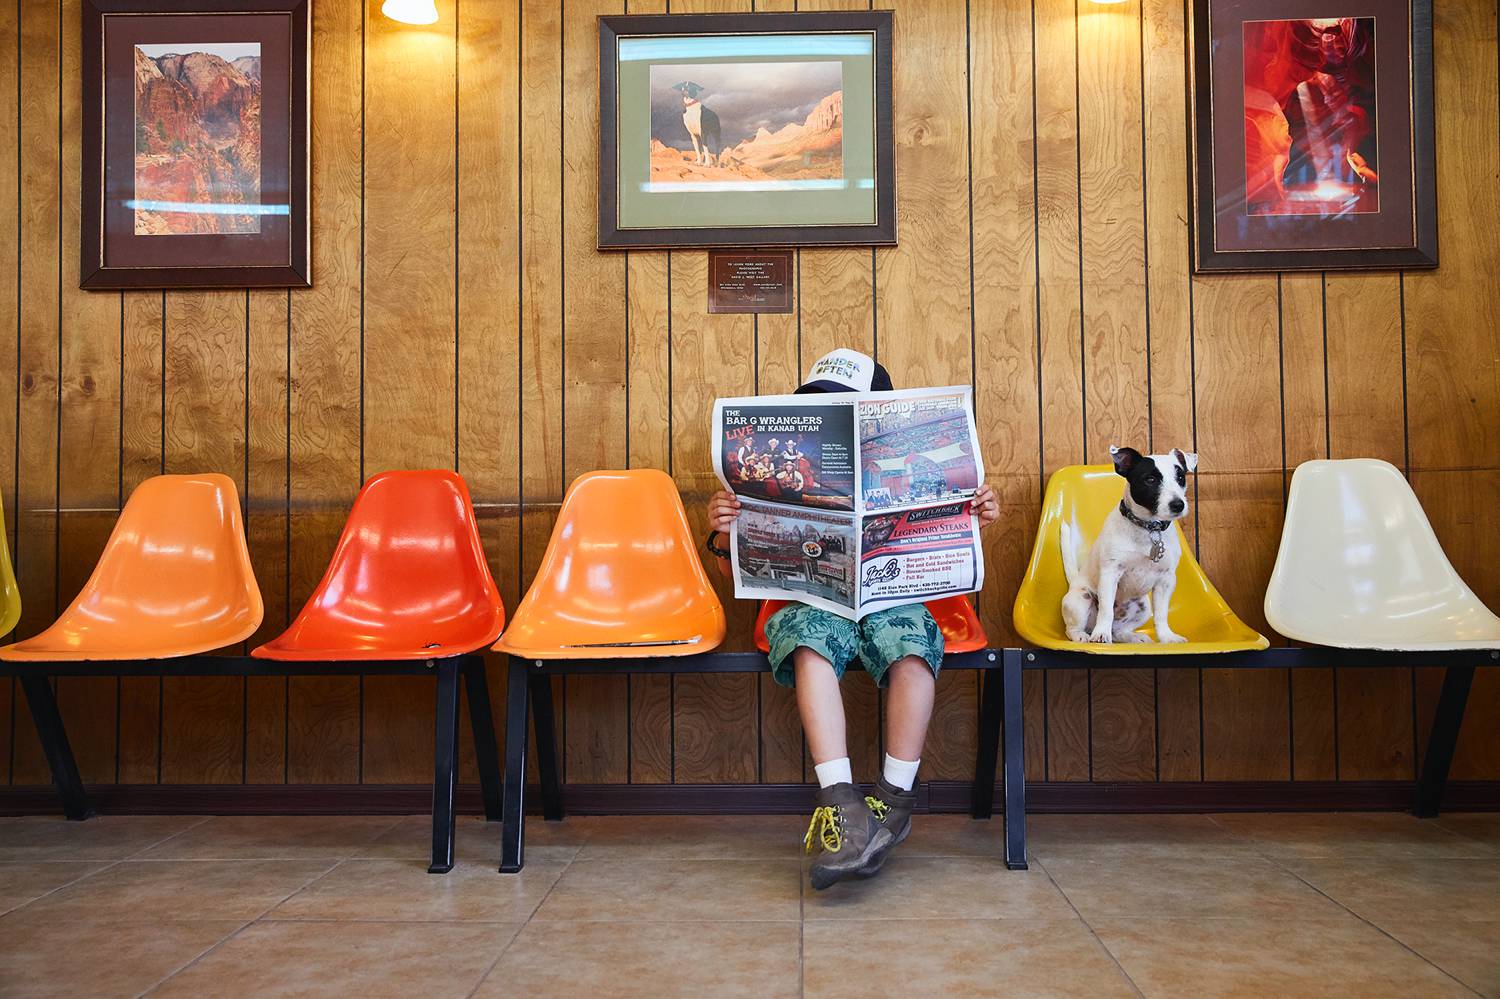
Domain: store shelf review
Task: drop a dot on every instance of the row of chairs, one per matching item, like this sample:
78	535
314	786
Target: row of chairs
622	588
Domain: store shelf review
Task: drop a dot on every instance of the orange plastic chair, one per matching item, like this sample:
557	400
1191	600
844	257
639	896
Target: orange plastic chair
174	580
955	615
10	594
621	577
408	579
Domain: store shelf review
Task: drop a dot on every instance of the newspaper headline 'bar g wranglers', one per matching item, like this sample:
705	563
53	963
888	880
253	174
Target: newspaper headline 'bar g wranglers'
852	501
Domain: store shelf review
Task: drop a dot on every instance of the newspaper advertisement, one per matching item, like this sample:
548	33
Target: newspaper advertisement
852	502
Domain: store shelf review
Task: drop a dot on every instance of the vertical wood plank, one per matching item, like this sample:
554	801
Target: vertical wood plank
1169	300
1060	326
489	410
267	521
597	725
325	438
10	323
142	455
202	725
88	430
40	275
410	345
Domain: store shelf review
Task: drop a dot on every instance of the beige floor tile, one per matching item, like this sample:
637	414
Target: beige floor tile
345	959
20	883
954	836
474	841
270	837
1351	834
691	837
65	957
106	837
940	888
611	960
181	889
1131	835
1259	957
1483	826
664	890
1185	887
962	958
403	890
1387	890
1469	951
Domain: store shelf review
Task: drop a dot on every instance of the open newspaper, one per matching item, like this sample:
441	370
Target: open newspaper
852	502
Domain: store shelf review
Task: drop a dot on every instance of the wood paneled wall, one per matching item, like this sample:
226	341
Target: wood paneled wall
461	318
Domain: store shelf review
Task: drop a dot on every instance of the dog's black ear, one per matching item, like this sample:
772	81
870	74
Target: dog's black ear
1188	461
1125	458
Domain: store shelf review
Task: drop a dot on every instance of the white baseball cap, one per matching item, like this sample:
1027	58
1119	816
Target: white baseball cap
845	370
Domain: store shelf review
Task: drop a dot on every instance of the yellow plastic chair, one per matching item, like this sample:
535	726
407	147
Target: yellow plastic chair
1088	494
174	580
10	593
621	577
1360	567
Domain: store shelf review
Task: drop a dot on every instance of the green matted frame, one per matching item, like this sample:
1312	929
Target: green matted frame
632	216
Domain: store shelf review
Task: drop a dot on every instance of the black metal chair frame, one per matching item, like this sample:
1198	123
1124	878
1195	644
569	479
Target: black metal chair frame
529	691
1458	664
35	679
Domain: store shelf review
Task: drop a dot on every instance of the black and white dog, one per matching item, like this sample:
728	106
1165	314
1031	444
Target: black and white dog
1134	557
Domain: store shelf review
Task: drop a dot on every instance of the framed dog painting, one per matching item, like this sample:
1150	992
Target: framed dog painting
1315	136
195	144
746	130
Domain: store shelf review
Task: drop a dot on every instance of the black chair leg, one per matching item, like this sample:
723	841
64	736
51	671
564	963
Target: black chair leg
513	813
445	767
982	797
54	738
1015	763
482	725
546	747
1443	739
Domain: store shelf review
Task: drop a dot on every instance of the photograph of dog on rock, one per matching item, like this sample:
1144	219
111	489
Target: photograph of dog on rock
1127	576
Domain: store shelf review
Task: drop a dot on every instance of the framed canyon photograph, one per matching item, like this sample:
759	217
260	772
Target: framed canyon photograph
1315	135
195	144
746	130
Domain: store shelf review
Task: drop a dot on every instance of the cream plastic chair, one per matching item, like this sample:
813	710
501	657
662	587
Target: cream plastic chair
1360	567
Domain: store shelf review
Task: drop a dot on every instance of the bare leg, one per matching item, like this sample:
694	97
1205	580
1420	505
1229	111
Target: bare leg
908	707
820	705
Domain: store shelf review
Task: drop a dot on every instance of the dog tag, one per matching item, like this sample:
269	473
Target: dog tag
1158	549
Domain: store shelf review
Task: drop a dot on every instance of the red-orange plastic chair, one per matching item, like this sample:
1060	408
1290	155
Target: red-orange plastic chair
955	615
408	579
174	580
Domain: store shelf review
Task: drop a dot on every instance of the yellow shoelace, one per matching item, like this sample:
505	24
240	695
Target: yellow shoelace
831	837
878	808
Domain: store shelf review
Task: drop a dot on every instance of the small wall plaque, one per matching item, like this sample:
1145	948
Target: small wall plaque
741	282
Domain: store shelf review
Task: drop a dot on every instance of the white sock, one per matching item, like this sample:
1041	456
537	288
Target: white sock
834	772
901	773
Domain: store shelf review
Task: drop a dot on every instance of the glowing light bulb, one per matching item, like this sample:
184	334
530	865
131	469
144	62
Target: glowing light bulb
410	11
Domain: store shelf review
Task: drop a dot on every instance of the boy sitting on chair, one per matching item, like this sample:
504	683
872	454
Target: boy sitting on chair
900	647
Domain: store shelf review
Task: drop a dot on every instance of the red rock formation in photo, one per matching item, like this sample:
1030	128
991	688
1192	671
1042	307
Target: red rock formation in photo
813	150
198	141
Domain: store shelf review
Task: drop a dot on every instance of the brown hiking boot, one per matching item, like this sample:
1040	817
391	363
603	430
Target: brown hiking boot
891	807
848	834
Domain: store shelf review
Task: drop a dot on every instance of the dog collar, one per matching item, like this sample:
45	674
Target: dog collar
1154	528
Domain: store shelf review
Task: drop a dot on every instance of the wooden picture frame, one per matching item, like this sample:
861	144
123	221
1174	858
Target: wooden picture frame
763	170
195	144
1314	137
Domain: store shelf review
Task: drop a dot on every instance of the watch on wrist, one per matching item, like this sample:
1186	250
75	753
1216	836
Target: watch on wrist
711	546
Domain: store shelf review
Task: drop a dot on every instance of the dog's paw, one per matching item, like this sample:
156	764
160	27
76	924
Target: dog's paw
1102	638
1131	637
1078	636
1170	638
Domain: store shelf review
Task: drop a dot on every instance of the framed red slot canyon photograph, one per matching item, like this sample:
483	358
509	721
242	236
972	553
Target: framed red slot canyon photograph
1314	135
195	144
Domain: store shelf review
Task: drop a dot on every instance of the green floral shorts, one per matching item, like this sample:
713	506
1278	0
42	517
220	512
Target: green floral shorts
879	640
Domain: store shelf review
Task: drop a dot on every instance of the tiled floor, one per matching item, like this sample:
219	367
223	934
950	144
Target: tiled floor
1256	905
